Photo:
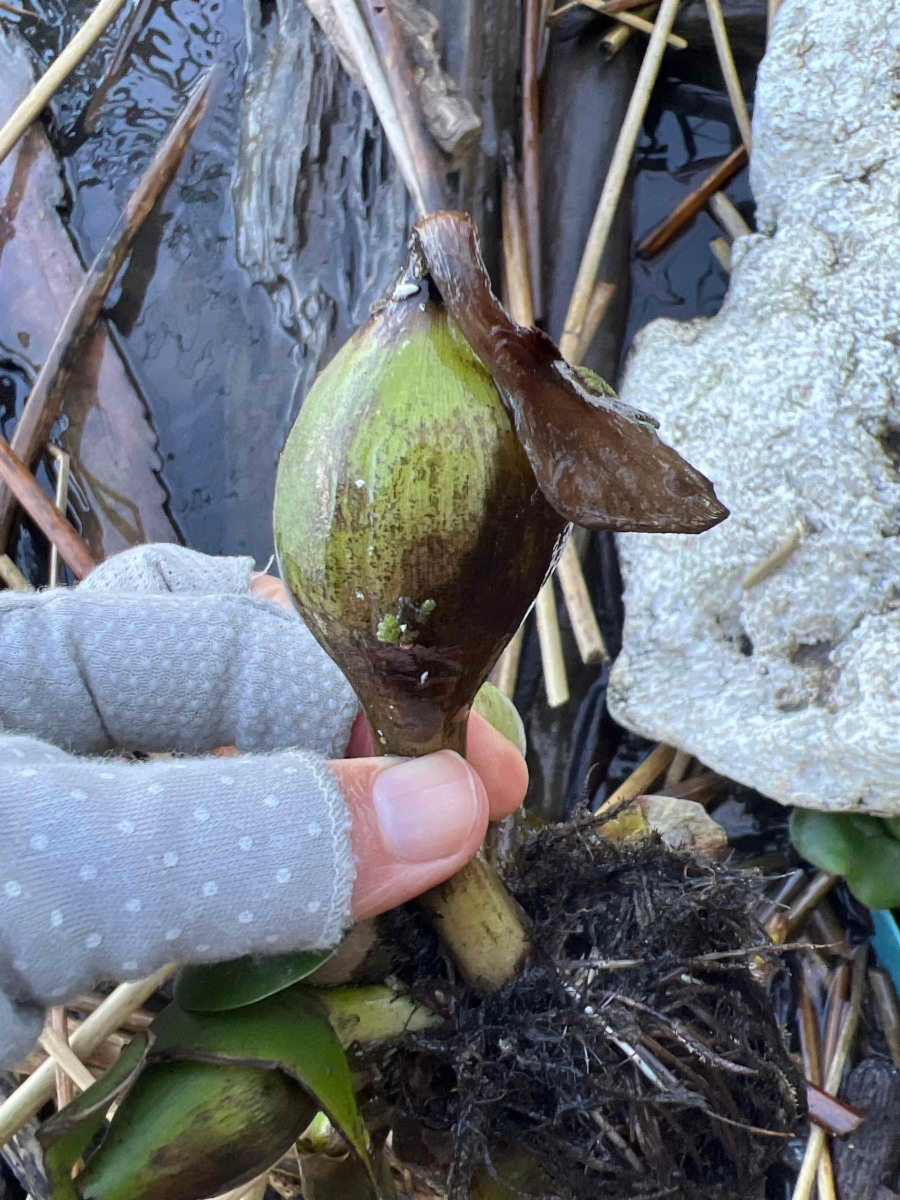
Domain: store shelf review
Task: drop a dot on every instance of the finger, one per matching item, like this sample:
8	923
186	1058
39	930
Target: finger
496	760
416	822
270	588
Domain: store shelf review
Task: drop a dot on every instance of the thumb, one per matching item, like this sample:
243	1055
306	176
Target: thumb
416	822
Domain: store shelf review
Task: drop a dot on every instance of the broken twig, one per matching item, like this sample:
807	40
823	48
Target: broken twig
43	511
370	68
729	71
818	1138
692	204
55	75
25	1101
641	779
402	86
772	562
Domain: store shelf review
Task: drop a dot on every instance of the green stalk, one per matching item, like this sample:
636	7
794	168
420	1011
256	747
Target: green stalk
473	913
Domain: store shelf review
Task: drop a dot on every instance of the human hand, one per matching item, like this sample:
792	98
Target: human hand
111	867
417	822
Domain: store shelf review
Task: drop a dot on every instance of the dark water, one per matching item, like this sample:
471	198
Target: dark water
688	131
216	369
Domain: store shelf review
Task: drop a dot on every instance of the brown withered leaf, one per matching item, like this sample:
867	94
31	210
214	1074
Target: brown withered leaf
599	462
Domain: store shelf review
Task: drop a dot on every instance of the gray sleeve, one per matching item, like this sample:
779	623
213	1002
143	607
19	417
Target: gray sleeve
108	869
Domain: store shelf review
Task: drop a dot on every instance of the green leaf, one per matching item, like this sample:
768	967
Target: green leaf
188	1130
289	1032
222	1097
499	711
66	1136
835	842
217	987
856	846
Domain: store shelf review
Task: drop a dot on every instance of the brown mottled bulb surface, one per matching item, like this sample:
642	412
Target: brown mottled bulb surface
409	526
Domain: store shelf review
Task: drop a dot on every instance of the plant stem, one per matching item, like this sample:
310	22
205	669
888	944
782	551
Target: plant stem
480	924
473	913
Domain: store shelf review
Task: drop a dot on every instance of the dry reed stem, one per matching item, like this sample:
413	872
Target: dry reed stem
18	1109
65	1059
43	511
692	203
518	283
888	1010
12	576
373	76
14	9
531	125
63	470
631	19
402	87
507	670
678	768
615	180
59	1024
45	401
772	562
772	8
612	43
642	779
818	1139
729	71
585	626
600	302
782	925
721	250
55	75
728	216
556	682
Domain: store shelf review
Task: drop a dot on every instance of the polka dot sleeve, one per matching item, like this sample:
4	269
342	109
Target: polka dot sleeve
108	870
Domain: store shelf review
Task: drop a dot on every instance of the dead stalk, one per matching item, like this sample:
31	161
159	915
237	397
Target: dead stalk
728	216
556	682
43	512
59	1024
63	469
613	42
12	576
678	768
729	71
818	1139
531	126
641	780
15	11
507	670
402	87
615	180
66	1060
373	76
600	302
27	1099
781	926
55	75
721	250
772	562
633	20
48	394
888	1010
585	626
692	204
518	283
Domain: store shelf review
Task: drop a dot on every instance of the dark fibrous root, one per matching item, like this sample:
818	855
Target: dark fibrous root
623	1062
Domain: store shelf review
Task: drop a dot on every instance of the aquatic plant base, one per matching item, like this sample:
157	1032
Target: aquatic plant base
548	1065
